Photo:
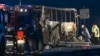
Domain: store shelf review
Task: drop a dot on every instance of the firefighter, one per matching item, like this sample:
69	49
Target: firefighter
9	39
20	40
95	34
20	34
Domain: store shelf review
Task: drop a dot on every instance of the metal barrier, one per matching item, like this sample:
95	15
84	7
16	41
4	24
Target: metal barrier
83	52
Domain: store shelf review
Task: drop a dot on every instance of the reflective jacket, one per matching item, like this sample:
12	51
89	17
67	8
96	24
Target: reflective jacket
95	31
20	35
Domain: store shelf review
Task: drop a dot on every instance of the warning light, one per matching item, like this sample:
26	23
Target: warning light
2	6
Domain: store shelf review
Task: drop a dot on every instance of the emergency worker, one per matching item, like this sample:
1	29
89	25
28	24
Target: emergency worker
20	40
95	34
20	34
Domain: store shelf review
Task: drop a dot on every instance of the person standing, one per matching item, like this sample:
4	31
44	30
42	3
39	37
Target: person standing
39	36
20	36
95	34
85	33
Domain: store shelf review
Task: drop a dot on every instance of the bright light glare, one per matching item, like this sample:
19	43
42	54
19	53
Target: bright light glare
25	10
21	10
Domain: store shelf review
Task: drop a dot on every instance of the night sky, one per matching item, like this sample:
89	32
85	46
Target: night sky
93	5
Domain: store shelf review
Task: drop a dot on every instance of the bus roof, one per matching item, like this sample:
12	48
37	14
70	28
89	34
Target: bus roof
63	9
53	8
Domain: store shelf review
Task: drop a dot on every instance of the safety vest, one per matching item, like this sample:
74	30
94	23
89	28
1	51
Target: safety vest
95	30
20	35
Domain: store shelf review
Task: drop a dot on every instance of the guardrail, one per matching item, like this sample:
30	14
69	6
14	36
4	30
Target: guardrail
83	52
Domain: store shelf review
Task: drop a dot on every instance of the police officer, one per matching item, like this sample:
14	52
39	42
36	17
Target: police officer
96	34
